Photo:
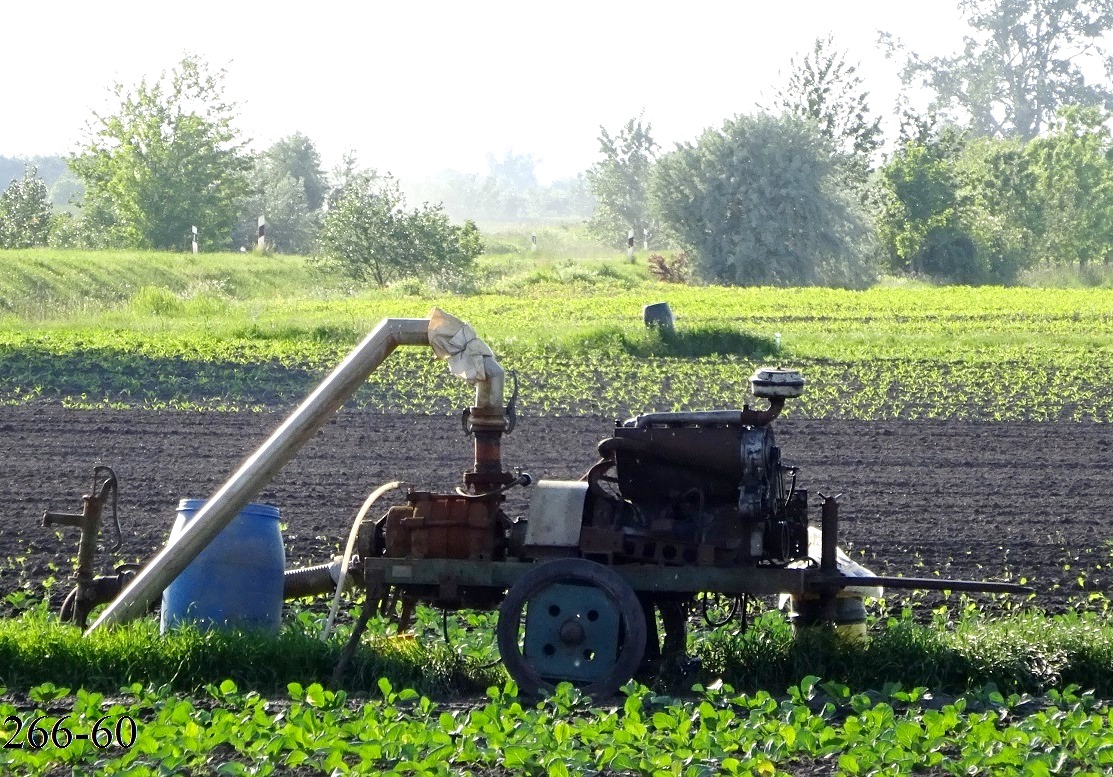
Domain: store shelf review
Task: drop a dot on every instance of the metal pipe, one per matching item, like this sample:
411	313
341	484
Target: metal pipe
745	417
931	584
258	470
829	524
828	557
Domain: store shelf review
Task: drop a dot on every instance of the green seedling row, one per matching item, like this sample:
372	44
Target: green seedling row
978	354
1035	386
817	725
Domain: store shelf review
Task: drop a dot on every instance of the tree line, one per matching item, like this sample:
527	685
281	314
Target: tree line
1009	166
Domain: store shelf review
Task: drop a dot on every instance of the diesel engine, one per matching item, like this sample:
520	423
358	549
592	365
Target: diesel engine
695	488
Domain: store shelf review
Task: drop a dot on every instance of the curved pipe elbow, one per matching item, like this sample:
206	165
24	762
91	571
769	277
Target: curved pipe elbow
764	417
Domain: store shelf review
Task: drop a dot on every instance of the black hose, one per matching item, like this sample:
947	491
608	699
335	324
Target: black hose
308	581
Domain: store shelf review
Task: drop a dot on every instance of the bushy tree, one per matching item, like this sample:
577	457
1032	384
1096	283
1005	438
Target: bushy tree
950	210
370	235
823	87
167	159
921	218
25	212
761	201
288	188
1072	171
296	156
981	209
1023	62
620	184
1003	213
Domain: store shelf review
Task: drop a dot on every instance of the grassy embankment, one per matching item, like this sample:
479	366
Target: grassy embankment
241	330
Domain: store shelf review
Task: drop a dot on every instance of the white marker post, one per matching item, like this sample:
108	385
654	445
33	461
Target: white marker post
533	241
630	245
261	241
195	239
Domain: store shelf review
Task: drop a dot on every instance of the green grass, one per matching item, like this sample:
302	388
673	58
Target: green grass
554	242
1091	276
962	647
49	284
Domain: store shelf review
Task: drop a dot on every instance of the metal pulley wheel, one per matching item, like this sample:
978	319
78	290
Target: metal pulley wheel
571	620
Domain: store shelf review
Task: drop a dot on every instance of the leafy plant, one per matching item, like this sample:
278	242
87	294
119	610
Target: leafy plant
369	235
670	269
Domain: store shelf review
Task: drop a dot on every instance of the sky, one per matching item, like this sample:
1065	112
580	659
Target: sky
416	87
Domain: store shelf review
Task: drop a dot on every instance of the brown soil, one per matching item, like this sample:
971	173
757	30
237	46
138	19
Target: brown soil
966	500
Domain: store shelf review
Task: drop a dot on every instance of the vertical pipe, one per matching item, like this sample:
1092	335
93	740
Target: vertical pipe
258	469
828	557
829	515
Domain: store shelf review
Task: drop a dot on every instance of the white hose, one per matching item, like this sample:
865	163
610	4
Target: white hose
371	499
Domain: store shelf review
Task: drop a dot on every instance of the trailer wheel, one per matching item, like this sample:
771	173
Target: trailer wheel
571	620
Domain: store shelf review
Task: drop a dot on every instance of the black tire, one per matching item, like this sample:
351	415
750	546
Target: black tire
535	675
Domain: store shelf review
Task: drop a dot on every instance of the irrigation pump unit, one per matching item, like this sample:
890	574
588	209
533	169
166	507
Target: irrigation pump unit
679	509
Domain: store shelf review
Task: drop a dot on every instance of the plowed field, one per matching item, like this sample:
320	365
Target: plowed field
966	500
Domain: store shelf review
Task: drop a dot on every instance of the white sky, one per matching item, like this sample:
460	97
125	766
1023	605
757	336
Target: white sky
415	87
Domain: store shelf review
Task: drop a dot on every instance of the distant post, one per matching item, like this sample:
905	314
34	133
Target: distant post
630	246
533	241
195	239
261	241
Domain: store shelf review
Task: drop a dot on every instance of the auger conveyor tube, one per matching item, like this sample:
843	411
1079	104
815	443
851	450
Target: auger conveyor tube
261	467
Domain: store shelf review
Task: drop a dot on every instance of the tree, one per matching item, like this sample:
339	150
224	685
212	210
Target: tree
761	202
369	235
923	197
509	186
291	228
297	157
620	184
958	208
825	89
288	188
168	159
345	173
25	212
54	172
1073	181
1024	62
980	209
1003	212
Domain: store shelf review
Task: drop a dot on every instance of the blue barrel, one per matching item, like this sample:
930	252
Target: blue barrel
236	581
